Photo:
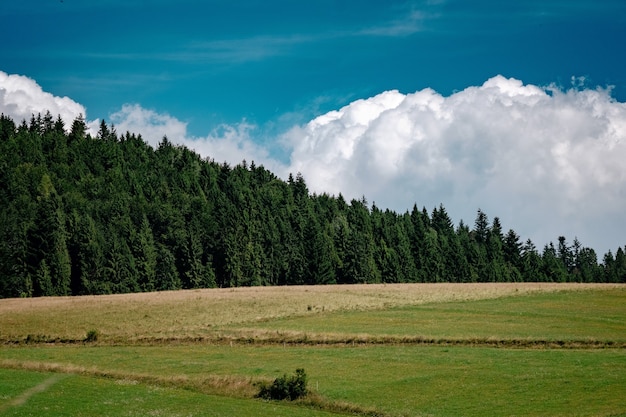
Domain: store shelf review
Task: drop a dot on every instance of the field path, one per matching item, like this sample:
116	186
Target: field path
26	395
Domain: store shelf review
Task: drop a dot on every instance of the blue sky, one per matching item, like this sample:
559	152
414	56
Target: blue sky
220	61
248	79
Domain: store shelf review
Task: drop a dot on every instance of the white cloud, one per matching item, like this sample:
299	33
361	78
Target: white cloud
547	162
21	97
226	143
233	144
151	125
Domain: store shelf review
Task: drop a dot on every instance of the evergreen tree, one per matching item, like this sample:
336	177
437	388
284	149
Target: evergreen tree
15	272
48	247
472	254
167	276
419	222
320	268
587	268
145	254
620	266
90	215
512	248
341	236
614	266
360	264
43	281
533	264
433	268
120	270
608	262
7	128
481	228
408	271
78	130
565	255
553	266
86	256
496	270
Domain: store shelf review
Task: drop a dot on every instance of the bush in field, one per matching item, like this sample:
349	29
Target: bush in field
92	336
285	388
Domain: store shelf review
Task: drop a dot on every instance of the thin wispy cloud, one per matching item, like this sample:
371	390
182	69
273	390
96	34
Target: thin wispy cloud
260	47
239	50
222	51
246	49
410	24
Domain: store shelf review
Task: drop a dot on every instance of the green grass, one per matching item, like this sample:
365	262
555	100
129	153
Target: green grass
563	316
76	395
186	376
399	380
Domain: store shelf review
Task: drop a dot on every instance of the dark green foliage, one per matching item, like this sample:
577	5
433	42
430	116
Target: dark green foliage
109	214
286	387
49	257
92	336
615	266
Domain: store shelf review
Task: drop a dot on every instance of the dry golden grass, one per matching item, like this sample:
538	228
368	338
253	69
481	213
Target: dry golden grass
198	313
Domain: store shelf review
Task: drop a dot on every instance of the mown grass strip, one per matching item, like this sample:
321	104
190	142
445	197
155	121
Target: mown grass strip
231	386
25	395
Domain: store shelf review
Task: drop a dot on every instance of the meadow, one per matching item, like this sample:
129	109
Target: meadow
387	350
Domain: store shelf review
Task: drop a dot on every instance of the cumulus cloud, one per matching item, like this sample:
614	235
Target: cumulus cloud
151	125
548	162
225	143
21	97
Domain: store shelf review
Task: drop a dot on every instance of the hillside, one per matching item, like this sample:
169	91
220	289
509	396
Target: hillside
266	315
109	214
388	350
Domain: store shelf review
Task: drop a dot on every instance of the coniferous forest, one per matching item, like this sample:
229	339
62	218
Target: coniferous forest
110	214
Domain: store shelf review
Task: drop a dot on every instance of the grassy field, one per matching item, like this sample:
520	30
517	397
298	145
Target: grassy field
197	313
581	316
76	395
405	350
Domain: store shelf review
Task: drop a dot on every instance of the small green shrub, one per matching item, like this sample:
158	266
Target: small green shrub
285	388
92	336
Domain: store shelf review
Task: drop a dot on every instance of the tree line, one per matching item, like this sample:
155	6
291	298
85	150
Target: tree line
110	214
